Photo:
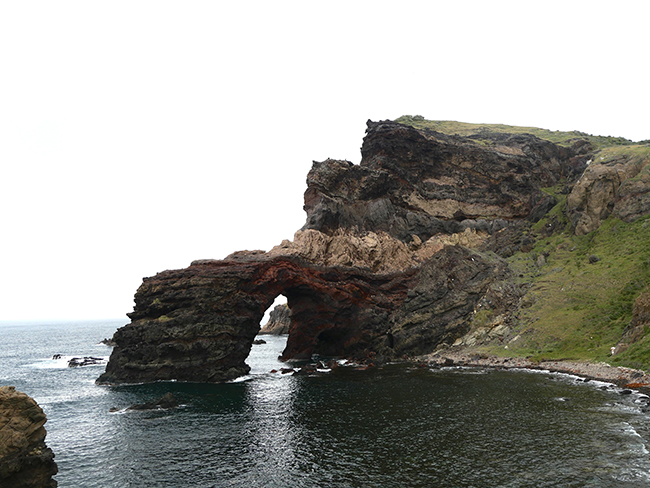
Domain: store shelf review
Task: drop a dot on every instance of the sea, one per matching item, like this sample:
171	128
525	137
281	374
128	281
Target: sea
399	425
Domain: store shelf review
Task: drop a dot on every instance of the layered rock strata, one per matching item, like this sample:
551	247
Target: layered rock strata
25	460
413	182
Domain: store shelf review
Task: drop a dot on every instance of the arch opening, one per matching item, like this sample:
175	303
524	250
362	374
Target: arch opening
266	324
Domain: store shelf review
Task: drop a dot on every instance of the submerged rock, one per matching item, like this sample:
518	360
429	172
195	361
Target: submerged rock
85	361
25	459
166	401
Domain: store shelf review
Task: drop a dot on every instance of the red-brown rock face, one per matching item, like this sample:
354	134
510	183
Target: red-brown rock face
198	323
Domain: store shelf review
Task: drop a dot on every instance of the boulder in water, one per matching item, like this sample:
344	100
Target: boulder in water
85	361
166	401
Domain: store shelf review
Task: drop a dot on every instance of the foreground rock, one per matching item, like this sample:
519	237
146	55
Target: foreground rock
25	460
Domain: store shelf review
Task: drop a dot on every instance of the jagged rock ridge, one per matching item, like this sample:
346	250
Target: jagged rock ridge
419	182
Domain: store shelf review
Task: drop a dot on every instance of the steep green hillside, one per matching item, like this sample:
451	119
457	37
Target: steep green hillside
581	292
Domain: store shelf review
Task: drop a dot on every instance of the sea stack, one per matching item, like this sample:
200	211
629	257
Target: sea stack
25	460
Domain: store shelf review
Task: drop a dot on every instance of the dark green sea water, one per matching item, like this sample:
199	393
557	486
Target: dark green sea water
395	426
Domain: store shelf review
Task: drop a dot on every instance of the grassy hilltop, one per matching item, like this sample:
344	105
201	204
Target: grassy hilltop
581	288
465	129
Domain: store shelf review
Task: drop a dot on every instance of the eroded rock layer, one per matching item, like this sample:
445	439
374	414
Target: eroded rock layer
616	182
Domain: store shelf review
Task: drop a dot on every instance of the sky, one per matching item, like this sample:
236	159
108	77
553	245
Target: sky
138	136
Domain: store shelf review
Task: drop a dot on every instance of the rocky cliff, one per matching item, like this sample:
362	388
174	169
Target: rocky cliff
400	255
25	460
617	183
423	183
279	321
198	323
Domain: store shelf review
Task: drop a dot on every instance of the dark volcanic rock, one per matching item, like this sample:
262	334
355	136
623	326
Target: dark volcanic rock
440	306
25	460
279	321
198	323
420	182
85	361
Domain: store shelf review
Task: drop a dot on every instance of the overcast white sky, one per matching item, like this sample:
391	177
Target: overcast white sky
137	136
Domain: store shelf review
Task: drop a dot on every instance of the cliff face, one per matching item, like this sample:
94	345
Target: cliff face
25	460
395	260
421	183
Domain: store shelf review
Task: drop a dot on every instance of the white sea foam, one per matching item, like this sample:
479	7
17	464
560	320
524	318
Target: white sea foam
62	362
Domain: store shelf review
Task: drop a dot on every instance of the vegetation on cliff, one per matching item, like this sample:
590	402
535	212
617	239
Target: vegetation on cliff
479	131
581	292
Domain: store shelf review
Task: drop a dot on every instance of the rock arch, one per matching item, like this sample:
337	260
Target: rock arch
198	323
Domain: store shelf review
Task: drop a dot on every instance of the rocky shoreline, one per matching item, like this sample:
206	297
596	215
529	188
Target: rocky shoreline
601	371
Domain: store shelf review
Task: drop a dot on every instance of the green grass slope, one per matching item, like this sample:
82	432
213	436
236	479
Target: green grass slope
580	289
577	307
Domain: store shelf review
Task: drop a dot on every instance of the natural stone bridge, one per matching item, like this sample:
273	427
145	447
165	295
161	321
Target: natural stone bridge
198	323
